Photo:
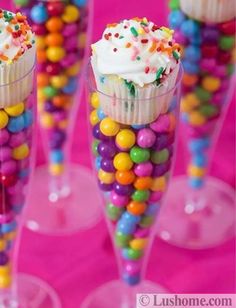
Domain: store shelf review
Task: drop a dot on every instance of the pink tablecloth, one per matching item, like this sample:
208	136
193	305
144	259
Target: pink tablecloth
77	264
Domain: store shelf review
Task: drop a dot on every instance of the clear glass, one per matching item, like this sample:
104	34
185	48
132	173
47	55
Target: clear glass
17	139
198	203
132	166
63	31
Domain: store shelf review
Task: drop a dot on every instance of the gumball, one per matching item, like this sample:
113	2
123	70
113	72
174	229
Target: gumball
159	184
132	254
136	208
226	42
190	68
53	68
71	14
109	127
159	157
107	165
101	114
147	221
131	280
55	8
122	162
54	24
54	39
161	169
4	135
139	155
107	149
39	29
20	152
143	183
176	18
193	53
146	138
125	139
129	218
94	100
113	212
3	119
125	177
106	177
93	118
56	156
190	28
8	180
140	195
122	239
39	14
196	182
80	3
211	84
123	190
199	160
119	200
143	169
125	228
152	209
196	171
5	153
228	27
174	4
55	54
21	2
105	187
16	124
138	244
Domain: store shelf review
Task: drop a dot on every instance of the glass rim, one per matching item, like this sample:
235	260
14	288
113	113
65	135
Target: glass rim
93	89
21	78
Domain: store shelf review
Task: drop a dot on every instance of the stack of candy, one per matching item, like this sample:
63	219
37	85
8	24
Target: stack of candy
208	62
15	145
60	28
133	164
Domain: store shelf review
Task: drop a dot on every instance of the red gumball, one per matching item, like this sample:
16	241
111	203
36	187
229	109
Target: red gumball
8	180
224	57
209	51
55	8
53	68
39	29
4	205
228	27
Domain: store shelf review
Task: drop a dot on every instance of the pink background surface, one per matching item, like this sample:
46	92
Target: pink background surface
76	265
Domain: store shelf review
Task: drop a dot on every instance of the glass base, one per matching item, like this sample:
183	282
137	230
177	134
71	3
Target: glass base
32	292
78	209
117	295
203	220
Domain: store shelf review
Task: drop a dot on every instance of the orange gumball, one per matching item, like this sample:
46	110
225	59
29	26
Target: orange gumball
42	80
136	208
41	56
189	80
125	177
61	101
54	39
143	183
54	24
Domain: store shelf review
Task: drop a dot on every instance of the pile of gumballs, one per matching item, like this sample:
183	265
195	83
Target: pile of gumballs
16	125
60	28
133	164
208	63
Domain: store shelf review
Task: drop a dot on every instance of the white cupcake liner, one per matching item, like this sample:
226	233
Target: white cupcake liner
143	108
210	11
16	79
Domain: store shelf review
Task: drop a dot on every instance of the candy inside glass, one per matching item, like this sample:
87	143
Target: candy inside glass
201	206
62	33
133	164
17	138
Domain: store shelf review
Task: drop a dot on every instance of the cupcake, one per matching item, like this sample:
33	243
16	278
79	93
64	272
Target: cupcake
17	58
134	64
212	11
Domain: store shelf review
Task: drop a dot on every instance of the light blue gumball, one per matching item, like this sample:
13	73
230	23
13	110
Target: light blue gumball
140	126
16	124
198	145
130	219
101	114
184	117
24	173
189	28
190	68
131	279
39	14
56	156
80	3
8	227
176	18
195	182
192	53
98	160
199	160
71	86
125	228
28	118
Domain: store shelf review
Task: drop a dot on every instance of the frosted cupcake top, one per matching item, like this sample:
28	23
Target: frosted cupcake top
16	37
136	50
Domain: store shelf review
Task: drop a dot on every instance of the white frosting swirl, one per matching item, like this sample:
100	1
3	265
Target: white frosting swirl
135	50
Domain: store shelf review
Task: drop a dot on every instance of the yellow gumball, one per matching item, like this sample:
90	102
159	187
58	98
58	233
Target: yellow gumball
71	14
159	184
94	117
5	269
47	120
20	152
95	100
40	95
74	69
106	177
196	171
122	162
59	81
40	42
210	83
3	119
55	54
15	110
138	244
63	124
5	281
3	244
196	118
109	127
82	40
56	169
125	139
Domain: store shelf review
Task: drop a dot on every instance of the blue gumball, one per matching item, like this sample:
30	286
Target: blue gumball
8	227
184	117
198	145
80	3
199	160
131	279
190	68
176	18
195	182
28	118
192	53
39	14
125	228
101	114
71	86
190	28
138	126
56	156
130	219
98	162
16	124
152	209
